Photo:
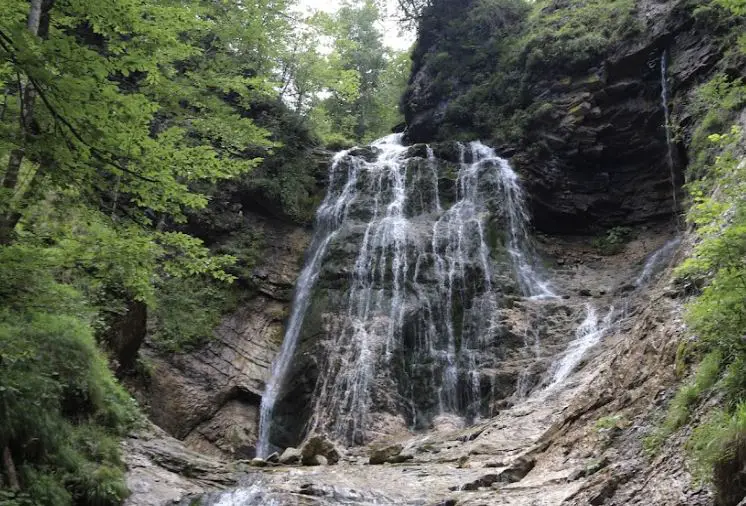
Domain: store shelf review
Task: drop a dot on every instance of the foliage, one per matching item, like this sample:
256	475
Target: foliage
481	56
61	410
613	241
609	422
569	36
680	407
352	92
187	311
125	124
715	102
717	446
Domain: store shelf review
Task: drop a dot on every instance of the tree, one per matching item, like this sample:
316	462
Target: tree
118	117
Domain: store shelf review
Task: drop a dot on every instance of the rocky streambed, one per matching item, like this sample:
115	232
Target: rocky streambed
577	442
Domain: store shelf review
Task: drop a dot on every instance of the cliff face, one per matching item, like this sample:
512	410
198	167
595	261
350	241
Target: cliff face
209	398
585	125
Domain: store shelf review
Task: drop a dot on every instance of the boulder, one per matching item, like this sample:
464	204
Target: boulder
384	454
318	460
318	445
274	458
290	456
258	462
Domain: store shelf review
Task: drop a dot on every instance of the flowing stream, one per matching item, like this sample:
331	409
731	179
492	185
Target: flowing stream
657	260
588	333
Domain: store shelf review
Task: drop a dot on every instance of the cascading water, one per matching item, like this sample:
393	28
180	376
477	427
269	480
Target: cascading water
588	333
656	260
669	141
328	218
421	304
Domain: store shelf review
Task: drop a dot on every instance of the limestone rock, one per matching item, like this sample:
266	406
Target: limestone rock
210	397
258	462
318	445
161	470
290	456
384	454
273	458
318	460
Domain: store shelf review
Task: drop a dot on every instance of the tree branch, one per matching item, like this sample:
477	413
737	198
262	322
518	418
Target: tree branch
6	43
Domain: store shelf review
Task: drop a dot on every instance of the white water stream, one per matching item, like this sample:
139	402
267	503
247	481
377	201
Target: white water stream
669	140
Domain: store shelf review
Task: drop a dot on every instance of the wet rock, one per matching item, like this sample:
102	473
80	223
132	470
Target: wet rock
290	456
318	445
585	292
258	462
317	460
517	470
495	463
381	455
273	458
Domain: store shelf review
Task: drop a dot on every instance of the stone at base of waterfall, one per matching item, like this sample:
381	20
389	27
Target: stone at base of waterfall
318	460
447	423
274	458
515	473
318	445
291	456
381	455
258	462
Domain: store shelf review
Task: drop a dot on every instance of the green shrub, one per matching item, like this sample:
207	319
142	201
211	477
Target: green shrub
187	312
717	451
61	410
686	397
613	241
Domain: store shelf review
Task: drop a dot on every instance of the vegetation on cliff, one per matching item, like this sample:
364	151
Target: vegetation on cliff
716	270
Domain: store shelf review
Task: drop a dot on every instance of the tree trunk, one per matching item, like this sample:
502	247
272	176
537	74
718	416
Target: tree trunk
38	25
10	470
34	16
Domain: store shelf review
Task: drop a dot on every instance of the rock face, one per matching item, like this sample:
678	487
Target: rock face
593	152
161	470
210	398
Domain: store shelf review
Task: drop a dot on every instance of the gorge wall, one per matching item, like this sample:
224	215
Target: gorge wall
572	93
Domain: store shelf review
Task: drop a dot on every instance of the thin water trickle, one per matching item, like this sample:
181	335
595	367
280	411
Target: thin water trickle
656	261
588	333
669	140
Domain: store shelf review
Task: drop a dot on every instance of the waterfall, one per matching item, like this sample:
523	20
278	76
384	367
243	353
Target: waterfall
656	260
519	241
669	142
421	303
588	333
329	216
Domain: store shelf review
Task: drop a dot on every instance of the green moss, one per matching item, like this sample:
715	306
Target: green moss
609	422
